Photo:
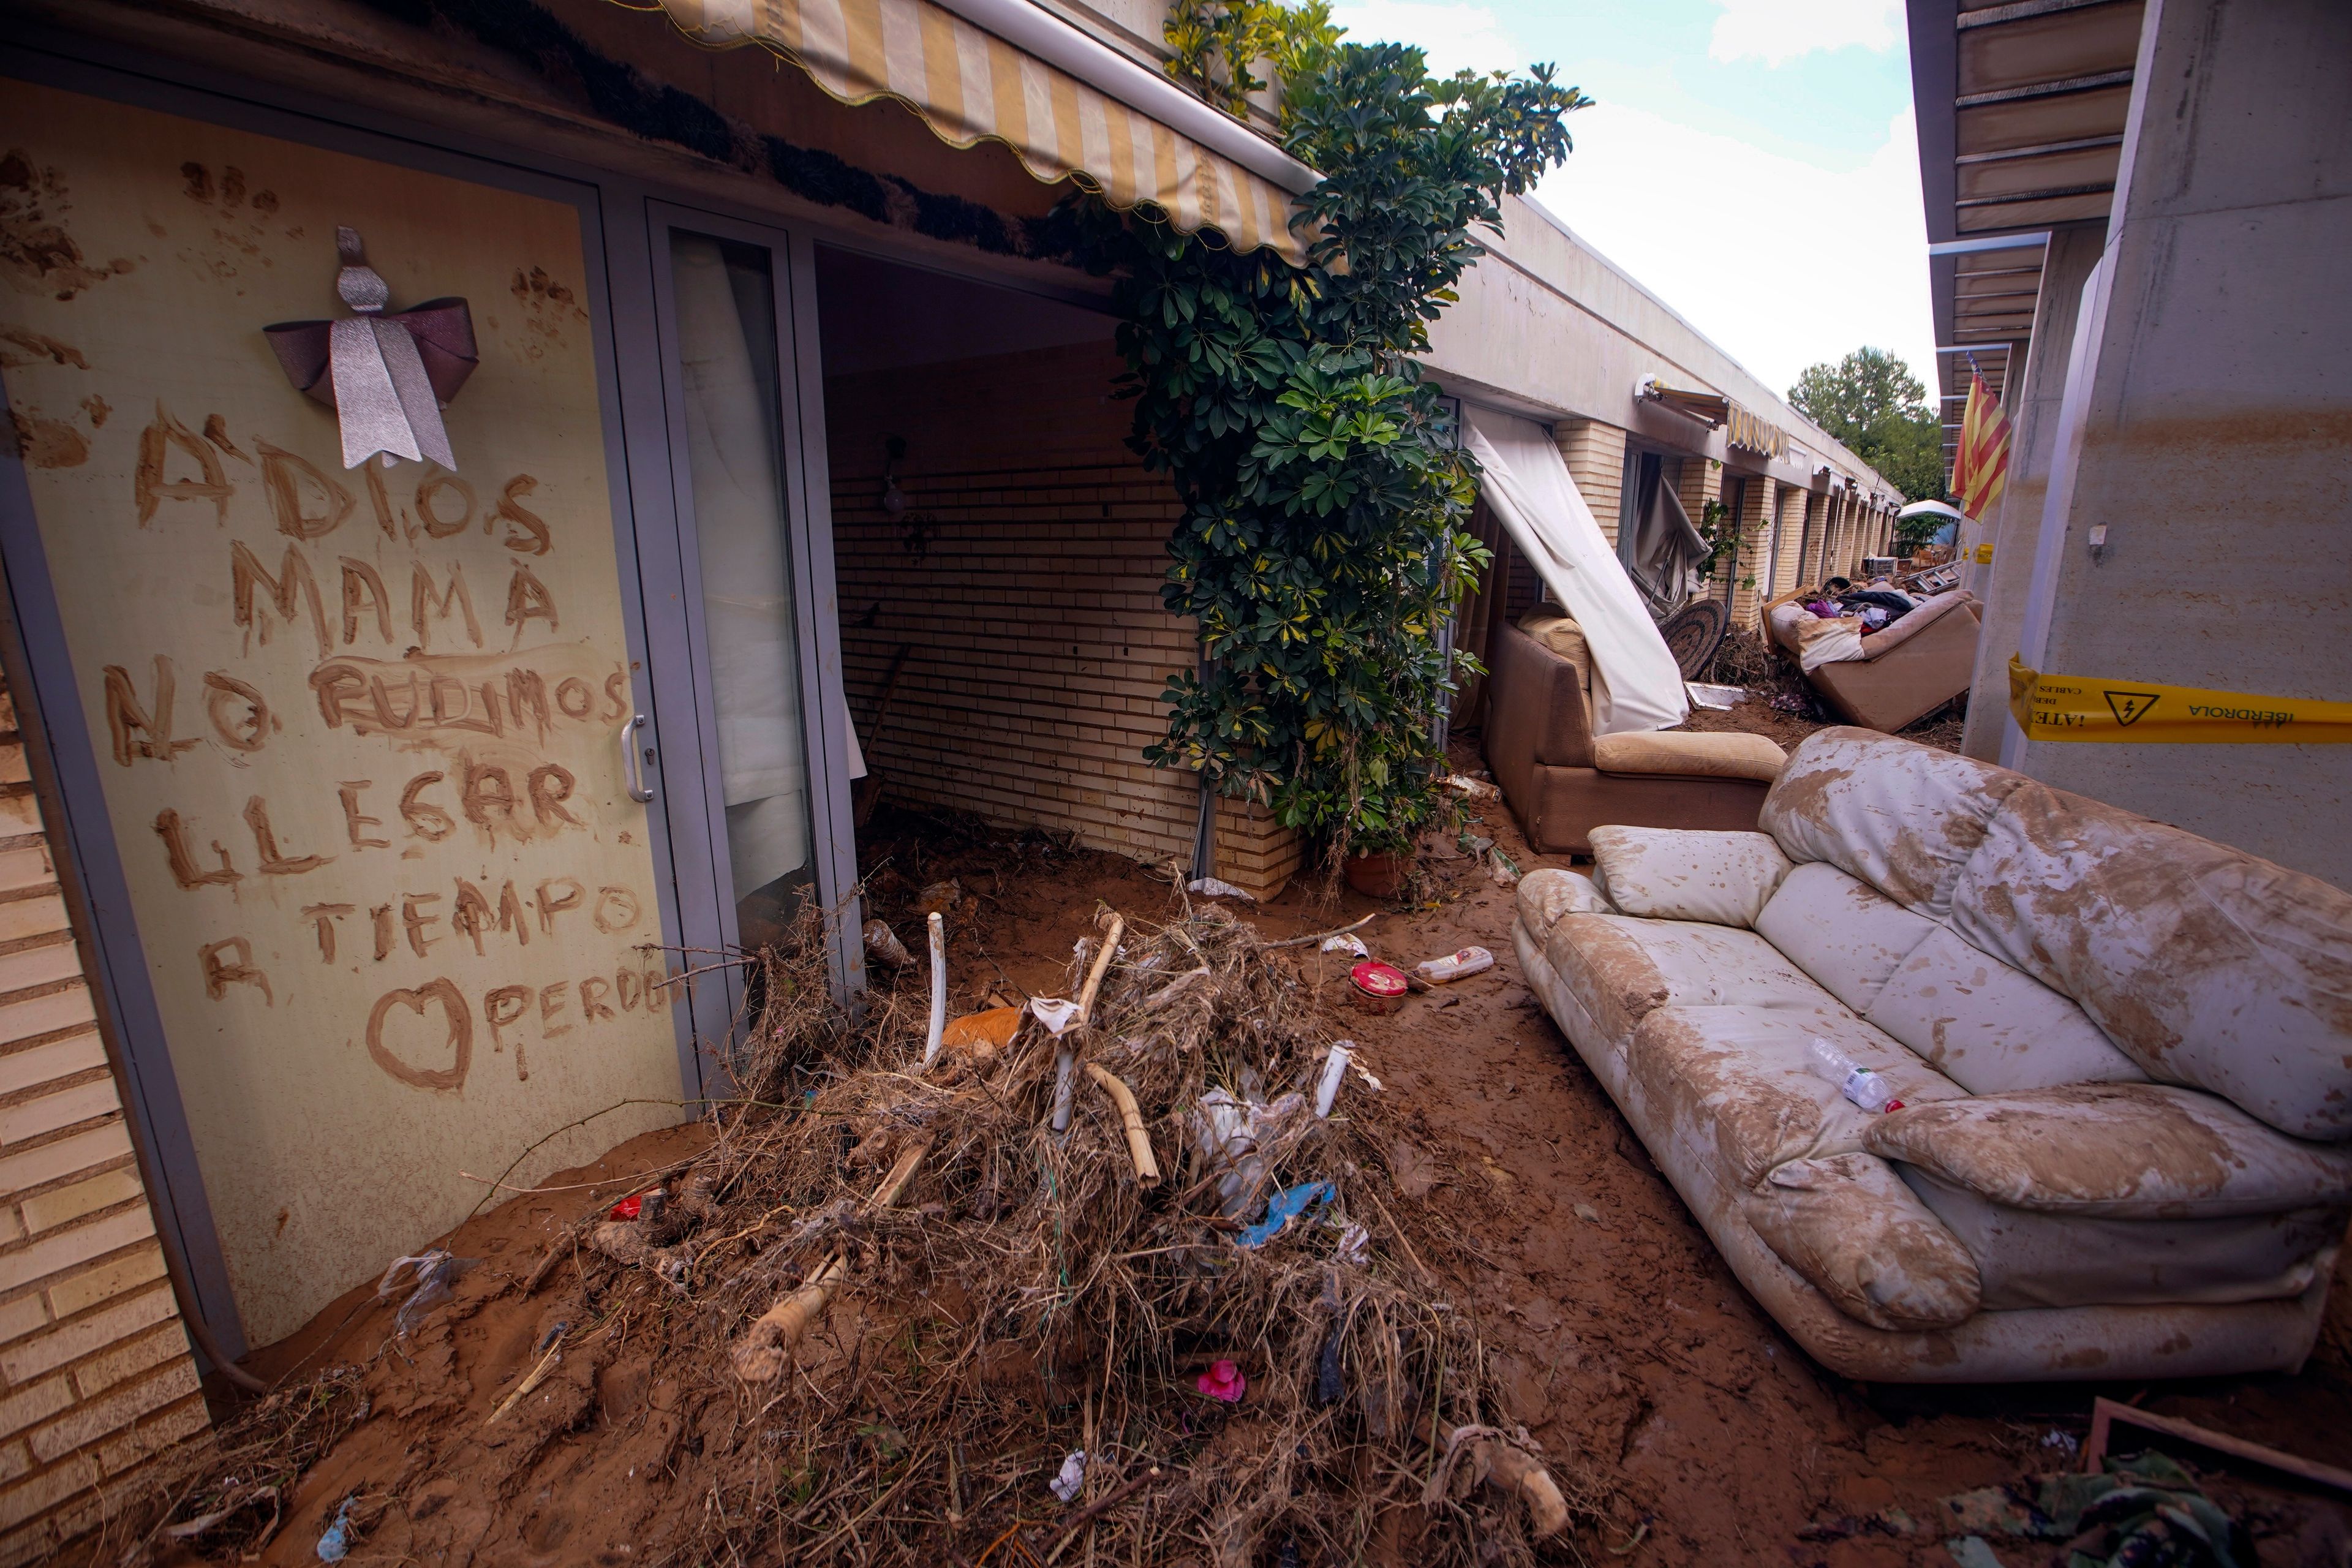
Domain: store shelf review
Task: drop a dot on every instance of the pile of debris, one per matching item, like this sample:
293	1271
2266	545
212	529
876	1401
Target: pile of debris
1125	1274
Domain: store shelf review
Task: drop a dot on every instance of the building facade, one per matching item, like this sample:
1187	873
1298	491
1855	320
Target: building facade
358	814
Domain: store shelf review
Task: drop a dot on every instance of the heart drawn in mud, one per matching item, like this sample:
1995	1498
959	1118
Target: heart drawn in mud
459	1042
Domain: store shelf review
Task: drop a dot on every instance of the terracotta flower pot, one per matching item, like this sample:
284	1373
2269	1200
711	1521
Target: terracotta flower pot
1377	876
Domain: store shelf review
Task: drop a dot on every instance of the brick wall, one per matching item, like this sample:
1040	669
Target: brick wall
1595	454
1756	540
1697	481
1788	537
1025	575
95	1373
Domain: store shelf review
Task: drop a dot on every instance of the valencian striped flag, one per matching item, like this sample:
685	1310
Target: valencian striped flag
1980	467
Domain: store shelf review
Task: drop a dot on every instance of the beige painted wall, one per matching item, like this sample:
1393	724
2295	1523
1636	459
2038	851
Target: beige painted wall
391	892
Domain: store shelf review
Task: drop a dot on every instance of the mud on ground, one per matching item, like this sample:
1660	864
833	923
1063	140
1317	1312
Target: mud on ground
1617	1334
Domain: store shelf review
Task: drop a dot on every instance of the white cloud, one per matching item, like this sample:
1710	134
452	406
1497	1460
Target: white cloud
1453	36
1777	31
1780	262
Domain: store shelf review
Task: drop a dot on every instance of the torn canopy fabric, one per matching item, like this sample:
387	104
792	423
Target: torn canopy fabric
1636	684
1667	552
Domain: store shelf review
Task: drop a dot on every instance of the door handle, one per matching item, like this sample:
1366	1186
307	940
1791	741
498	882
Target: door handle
633	772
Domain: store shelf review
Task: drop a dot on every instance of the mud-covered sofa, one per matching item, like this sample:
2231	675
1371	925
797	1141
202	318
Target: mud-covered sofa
1559	779
2123	1053
1905	671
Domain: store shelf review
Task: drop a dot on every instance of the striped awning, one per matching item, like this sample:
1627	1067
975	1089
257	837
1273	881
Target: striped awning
969	85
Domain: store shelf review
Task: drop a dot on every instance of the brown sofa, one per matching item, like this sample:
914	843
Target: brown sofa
1905	672
1562	782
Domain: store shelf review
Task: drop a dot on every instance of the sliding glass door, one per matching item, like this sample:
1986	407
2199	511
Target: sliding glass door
753	614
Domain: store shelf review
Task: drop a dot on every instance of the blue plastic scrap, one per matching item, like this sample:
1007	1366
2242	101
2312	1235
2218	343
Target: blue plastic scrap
1283	1207
336	1545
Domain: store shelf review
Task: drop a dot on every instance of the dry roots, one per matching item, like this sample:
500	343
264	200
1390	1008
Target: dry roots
903	1300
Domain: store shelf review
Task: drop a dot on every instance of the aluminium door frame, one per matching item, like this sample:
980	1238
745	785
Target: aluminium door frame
88	855
805	483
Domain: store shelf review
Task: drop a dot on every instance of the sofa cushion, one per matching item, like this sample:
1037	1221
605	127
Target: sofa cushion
1548	892
1689	755
1839	931
2138	1151
1990	1029
1562	636
1736	1083
1676	874
1848	1224
1821	641
1902	816
2026	1259
1622	969
2204	964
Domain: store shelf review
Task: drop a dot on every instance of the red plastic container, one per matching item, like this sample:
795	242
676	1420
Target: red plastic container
1378	987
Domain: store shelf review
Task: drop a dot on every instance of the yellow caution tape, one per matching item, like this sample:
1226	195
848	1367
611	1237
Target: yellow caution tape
1984	554
2073	708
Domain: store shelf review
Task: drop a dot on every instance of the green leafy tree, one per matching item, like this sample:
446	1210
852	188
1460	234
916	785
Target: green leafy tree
1872	402
1322	543
1217	45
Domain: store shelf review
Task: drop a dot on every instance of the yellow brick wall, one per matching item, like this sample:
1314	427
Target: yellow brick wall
1253	851
1747	576
1789	536
95	1371
1698	481
1595	454
1025	577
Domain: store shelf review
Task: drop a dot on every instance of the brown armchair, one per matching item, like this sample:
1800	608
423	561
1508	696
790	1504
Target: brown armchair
1905	672
1562	782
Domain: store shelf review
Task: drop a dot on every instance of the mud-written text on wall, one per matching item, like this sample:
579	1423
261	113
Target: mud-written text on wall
356	731
463	702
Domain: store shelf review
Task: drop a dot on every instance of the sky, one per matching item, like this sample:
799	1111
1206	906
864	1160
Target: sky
1751	162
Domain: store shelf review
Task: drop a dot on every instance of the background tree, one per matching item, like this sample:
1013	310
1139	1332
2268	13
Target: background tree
1872	402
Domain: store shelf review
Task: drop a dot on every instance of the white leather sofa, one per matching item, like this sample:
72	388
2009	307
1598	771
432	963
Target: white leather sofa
2124	1056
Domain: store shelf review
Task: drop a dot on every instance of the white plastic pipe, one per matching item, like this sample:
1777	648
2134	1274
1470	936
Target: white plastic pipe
939	990
1335	1067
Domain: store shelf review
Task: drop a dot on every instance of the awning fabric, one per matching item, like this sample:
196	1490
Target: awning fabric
1636	685
969	85
1666	550
1710	406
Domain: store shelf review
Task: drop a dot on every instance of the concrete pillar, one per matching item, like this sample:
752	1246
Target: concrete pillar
2072	253
2205	426
1595	454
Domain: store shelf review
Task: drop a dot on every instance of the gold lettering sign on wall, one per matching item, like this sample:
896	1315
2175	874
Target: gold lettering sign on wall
357	729
1747	431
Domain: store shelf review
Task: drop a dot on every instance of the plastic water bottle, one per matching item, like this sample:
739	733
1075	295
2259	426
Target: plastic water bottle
1866	1089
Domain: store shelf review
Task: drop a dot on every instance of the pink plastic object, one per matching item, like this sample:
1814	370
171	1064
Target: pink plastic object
1224	1381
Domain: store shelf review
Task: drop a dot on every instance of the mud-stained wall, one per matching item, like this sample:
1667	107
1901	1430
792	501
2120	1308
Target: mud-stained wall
357	730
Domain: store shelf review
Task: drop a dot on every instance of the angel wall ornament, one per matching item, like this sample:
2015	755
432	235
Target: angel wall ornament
386	376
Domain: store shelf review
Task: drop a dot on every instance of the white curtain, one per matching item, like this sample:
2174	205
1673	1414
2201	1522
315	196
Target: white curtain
1636	684
725	329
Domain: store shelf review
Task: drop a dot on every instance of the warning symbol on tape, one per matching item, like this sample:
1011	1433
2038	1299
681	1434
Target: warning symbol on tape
2128	706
